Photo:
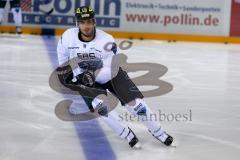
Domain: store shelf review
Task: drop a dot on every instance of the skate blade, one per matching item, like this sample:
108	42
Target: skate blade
137	146
173	145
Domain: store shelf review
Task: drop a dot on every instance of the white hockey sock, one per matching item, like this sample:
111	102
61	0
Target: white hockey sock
1	14
113	121
17	16
144	114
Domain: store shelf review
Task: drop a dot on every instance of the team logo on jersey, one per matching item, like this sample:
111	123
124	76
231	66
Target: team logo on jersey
85	56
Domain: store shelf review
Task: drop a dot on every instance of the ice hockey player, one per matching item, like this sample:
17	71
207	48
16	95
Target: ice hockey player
87	42
16	11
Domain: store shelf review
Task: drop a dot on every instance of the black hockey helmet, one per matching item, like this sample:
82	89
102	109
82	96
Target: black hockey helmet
84	13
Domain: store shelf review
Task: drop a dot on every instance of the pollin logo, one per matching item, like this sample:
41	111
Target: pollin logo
61	12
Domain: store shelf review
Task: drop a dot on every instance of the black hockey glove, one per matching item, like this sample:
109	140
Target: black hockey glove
65	74
63	69
87	78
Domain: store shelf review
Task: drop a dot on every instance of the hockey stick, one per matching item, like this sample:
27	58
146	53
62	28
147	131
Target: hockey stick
47	13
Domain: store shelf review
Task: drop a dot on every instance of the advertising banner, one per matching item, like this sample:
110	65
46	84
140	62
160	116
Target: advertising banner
205	17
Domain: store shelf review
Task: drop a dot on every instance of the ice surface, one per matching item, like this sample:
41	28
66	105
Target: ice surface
206	81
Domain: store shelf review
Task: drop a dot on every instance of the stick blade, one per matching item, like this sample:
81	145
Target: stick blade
49	12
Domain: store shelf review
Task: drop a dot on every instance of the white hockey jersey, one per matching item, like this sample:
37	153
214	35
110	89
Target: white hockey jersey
69	47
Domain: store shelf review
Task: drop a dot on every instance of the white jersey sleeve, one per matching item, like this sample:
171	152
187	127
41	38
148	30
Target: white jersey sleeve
62	51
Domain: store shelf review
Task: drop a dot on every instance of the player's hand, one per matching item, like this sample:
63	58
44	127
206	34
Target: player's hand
88	78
